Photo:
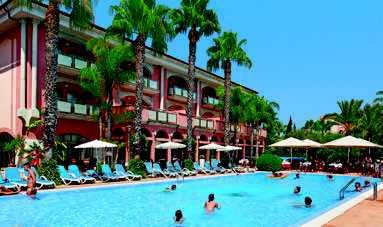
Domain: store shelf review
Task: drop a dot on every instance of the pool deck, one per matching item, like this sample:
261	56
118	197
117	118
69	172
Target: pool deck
367	213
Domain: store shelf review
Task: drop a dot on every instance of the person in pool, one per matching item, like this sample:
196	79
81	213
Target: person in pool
358	187
308	202
367	184
178	218
297	176
330	177
171	188
210	204
31	180
297	190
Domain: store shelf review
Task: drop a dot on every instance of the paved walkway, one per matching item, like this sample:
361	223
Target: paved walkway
368	213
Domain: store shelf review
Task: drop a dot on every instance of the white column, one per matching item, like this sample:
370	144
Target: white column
23	48
162	88
34	63
198	98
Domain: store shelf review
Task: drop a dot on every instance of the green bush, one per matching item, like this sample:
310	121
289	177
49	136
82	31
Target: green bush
137	166
48	168
269	162
189	164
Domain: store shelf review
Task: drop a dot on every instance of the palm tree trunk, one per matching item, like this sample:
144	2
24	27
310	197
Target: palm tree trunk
251	141
226	110
190	83
51	54
257	144
109	115
139	45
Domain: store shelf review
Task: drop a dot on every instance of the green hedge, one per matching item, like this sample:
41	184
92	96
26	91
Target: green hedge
189	164
269	162
48	169
137	166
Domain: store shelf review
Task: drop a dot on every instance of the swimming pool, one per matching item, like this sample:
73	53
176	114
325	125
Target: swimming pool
246	200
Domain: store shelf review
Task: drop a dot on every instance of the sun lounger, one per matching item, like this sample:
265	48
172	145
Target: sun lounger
73	169
188	172
92	173
42	181
67	178
198	168
157	170
149	169
127	174
208	167
172	169
12	174
8	185
214	165
108	175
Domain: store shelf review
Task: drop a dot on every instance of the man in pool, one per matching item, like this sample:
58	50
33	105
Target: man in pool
171	188
210	204
308	202
297	190
330	177
297	176
178	218
358	187
31	186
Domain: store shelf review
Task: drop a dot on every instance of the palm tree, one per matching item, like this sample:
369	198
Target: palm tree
379	99
106	74
227	49
141	20
194	18
350	112
80	15
370	123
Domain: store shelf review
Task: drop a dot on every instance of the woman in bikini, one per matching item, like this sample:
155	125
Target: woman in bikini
31	186
210	204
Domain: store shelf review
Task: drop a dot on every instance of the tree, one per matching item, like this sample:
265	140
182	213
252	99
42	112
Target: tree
194	18
370	123
226	50
379	99
80	15
141	20
289	127
107	74
350	112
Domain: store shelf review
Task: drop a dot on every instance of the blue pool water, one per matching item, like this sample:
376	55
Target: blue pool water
246	200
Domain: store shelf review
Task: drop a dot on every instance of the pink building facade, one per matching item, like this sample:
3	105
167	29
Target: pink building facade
22	68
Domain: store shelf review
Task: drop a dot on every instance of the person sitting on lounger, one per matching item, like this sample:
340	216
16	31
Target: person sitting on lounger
178	218
171	188
7	191
31	187
210	204
358	187
297	190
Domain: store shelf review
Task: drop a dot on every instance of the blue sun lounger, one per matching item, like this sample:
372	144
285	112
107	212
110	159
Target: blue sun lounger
108	175
149	169
188	172
41	181
6	184
67	178
127	174
157	170
12	174
73	169
198	168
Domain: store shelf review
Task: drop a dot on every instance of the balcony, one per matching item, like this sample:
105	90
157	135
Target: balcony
210	101
203	123
76	108
159	116
71	61
180	92
148	83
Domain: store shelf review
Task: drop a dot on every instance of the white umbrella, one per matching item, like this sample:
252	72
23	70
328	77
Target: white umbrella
229	148
312	144
350	142
290	143
170	145
95	144
211	146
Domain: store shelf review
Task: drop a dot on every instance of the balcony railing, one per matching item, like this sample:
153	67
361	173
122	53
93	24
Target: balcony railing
159	116
72	61
76	108
151	84
180	92
210	100
203	123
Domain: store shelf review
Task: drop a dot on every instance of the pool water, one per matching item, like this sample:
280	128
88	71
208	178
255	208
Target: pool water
246	200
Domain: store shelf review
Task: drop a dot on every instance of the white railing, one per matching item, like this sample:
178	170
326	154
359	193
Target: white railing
76	108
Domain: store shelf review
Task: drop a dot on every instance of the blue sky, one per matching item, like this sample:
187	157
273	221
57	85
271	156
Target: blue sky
306	54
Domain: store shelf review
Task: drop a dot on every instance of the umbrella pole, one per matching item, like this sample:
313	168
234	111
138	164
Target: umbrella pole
307	153
291	154
348	155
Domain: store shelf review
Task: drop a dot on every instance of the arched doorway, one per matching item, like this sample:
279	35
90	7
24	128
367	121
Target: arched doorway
5	156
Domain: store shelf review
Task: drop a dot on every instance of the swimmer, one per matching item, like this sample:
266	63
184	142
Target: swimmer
367	184
358	187
210	204
330	177
308	202
297	176
178	217
171	188
297	190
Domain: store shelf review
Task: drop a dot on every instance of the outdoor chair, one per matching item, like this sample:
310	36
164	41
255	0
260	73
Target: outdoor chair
177	166
67	178
42	181
73	169
108	175
12	174
127	174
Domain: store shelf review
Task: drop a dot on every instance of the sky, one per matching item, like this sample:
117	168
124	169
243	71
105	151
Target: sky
306	55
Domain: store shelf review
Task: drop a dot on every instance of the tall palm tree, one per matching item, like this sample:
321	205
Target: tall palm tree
141	20
379	99
107	73
197	20
350	112
226	50
80	15
370	123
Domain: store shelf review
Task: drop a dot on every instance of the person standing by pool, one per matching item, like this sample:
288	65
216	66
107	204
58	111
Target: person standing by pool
210	204
31	186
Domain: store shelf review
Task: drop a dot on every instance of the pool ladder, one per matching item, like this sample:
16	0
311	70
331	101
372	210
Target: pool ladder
341	192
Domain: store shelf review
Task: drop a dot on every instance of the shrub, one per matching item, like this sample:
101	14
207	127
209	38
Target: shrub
269	162
137	166
48	168
189	164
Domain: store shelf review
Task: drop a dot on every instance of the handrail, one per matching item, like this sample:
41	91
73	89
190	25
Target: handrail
341	192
